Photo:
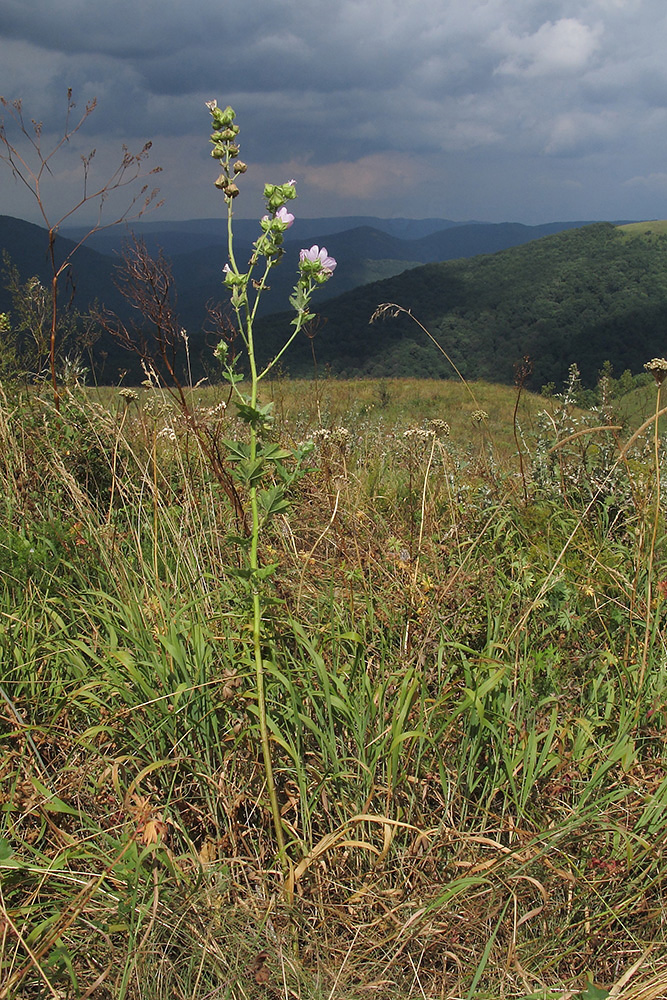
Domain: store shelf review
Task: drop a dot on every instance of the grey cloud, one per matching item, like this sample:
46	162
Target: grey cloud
489	81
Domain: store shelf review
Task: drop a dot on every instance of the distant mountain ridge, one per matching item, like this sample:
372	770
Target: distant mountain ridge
175	238
183	236
364	252
493	292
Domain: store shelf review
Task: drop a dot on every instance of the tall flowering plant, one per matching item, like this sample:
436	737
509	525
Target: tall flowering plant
259	462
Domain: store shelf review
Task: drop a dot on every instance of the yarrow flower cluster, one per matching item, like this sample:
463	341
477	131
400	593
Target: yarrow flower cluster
418	435
339	436
439	427
479	416
658	369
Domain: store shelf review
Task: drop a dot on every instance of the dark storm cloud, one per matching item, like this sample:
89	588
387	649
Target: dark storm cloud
358	93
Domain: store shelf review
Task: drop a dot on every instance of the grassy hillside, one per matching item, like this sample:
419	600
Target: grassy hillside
465	675
654	228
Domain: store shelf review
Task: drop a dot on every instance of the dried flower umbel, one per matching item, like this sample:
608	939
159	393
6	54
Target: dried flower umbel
658	369
439	427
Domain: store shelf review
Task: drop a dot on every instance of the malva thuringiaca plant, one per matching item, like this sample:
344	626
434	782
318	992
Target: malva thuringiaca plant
257	457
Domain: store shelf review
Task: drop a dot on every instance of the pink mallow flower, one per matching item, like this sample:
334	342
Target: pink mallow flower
328	264
282	215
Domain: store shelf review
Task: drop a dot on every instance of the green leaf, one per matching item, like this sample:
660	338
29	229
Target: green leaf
250	472
273	452
266	571
238	450
256	416
593	992
272	501
52	803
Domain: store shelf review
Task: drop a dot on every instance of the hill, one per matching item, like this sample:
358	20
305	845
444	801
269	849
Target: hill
590	294
26	246
585	295
367	249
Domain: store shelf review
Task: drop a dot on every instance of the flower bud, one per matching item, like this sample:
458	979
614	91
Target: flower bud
222	119
218	152
221	352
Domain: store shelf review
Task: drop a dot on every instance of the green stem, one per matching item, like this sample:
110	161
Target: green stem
254	567
654	536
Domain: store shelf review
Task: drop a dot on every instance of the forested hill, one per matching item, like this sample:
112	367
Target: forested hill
586	295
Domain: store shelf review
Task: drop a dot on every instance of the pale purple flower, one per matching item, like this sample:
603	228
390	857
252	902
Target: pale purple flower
292	182
282	215
315	254
212	105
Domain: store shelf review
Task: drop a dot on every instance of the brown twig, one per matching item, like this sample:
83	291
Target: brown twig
127	172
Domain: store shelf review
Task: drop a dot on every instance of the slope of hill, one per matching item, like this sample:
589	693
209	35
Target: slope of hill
367	249
586	295
364	254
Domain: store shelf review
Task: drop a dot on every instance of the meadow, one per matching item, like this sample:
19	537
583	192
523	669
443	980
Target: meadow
464	680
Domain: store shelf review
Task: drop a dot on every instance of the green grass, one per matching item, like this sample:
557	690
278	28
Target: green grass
466	689
653	228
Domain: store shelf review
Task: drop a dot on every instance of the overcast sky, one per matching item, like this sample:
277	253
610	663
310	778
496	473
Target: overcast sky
496	110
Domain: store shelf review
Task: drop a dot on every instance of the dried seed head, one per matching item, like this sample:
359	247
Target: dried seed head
658	369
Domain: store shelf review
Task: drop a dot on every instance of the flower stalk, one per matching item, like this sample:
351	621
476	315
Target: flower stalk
255	459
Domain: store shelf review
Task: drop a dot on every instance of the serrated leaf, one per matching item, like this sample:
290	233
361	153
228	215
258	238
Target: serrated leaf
250	472
272	501
238	450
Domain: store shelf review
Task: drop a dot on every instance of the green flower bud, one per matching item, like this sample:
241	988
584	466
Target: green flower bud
222	119
218	152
